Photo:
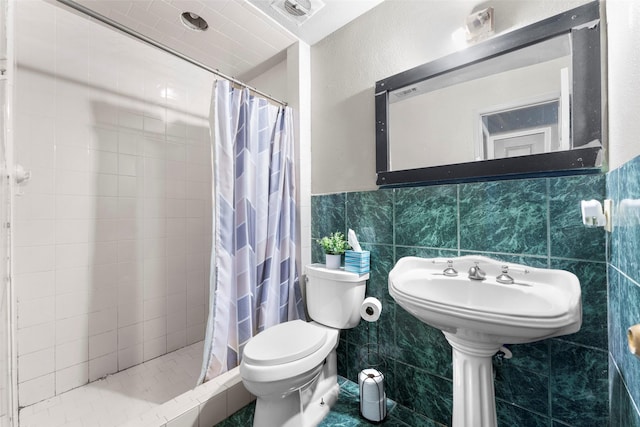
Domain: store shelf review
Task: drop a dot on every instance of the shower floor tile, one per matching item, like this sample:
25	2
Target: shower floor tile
345	413
117	398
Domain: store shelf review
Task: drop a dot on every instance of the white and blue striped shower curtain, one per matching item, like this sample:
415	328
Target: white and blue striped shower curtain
254	277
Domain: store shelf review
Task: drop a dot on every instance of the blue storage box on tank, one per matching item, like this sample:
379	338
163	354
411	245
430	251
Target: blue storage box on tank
357	262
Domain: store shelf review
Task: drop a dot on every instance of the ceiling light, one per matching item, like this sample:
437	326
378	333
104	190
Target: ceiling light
194	22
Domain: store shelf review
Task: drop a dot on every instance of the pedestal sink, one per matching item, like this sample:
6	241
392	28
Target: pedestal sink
481	304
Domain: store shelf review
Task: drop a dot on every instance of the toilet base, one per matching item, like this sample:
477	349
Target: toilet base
317	410
305	407
288	412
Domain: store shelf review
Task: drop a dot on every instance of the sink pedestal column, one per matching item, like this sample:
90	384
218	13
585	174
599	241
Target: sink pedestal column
474	402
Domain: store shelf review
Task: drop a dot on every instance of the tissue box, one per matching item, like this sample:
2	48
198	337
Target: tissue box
357	262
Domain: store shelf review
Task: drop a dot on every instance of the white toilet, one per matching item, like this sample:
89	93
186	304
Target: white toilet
291	368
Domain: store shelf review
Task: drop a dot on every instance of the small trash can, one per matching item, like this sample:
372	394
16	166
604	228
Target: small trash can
373	400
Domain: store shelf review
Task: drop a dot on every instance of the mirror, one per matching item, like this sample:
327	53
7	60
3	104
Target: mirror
526	102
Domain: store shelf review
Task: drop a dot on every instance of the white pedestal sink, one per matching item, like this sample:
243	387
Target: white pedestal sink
479	316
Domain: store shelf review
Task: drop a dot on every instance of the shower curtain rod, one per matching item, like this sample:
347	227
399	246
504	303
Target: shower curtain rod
110	22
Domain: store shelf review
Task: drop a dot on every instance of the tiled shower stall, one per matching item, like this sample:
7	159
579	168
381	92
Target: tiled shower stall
112	232
6	309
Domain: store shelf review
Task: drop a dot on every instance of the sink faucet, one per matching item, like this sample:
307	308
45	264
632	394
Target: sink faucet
450	271
476	273
504	277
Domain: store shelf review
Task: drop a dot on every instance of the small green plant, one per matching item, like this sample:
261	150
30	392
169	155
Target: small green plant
334	244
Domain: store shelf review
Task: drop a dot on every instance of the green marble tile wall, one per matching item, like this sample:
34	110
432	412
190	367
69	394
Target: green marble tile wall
556	382
623	187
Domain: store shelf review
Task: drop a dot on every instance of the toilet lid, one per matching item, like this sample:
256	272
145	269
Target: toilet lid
284	343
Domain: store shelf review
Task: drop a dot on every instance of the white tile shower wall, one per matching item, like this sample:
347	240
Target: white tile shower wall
112	234
6	375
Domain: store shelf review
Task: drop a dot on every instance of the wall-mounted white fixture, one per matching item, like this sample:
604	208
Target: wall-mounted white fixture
629	212
593	214
21	177
633	338
478	26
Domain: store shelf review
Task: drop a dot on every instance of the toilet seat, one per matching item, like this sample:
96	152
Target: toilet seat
286	350
284	343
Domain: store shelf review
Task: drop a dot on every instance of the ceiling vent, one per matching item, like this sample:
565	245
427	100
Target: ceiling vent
297	11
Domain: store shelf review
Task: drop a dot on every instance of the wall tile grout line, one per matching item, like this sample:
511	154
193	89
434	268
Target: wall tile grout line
548	212
458	232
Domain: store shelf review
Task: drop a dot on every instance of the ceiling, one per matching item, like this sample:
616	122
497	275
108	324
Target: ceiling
331	15
243	35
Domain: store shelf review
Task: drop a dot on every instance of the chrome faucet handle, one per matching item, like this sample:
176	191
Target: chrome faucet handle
476	273
450	271
518	269
504	277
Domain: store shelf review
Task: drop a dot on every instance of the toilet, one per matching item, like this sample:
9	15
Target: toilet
291	368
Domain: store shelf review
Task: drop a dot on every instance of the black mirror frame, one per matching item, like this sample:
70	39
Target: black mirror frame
583	24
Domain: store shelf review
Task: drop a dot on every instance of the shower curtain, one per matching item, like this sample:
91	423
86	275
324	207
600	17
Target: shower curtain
254	278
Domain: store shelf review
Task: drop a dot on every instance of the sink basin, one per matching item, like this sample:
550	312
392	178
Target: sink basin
539	304
479	316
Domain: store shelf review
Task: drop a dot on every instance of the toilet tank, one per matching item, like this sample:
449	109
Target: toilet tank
334	296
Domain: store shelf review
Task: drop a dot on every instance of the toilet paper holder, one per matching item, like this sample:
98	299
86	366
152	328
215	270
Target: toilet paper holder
370	309
370	312
370	356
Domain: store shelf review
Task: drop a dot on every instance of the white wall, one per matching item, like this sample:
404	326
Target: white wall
392	37
298	79
273	81
5	292
623	40
112	235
